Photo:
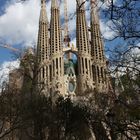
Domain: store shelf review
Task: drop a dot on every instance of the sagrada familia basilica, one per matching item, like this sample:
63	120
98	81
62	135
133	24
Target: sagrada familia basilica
59	71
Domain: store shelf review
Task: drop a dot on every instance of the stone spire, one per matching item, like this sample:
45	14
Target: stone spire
56	49
43	47
84	52
82	31
55	29
43	3
99	63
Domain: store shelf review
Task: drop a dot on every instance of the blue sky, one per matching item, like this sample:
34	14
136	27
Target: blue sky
19	26
15	29
2	4
4	54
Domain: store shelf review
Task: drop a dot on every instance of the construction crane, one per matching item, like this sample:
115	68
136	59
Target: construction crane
22	53
4	45
66	30
11	48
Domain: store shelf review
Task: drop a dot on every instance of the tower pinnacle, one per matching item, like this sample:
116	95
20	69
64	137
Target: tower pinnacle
43	15
43	48
43	1
54	4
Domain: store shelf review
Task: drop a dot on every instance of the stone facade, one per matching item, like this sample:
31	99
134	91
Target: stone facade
59	74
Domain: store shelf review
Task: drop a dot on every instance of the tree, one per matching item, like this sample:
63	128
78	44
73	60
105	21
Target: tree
103	115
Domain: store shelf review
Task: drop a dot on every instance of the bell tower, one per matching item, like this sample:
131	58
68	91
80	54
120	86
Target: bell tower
97	51
56	50
43	48
84	50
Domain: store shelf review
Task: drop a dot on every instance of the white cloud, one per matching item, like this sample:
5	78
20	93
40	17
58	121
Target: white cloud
136	51
5	68
19	24
106	31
